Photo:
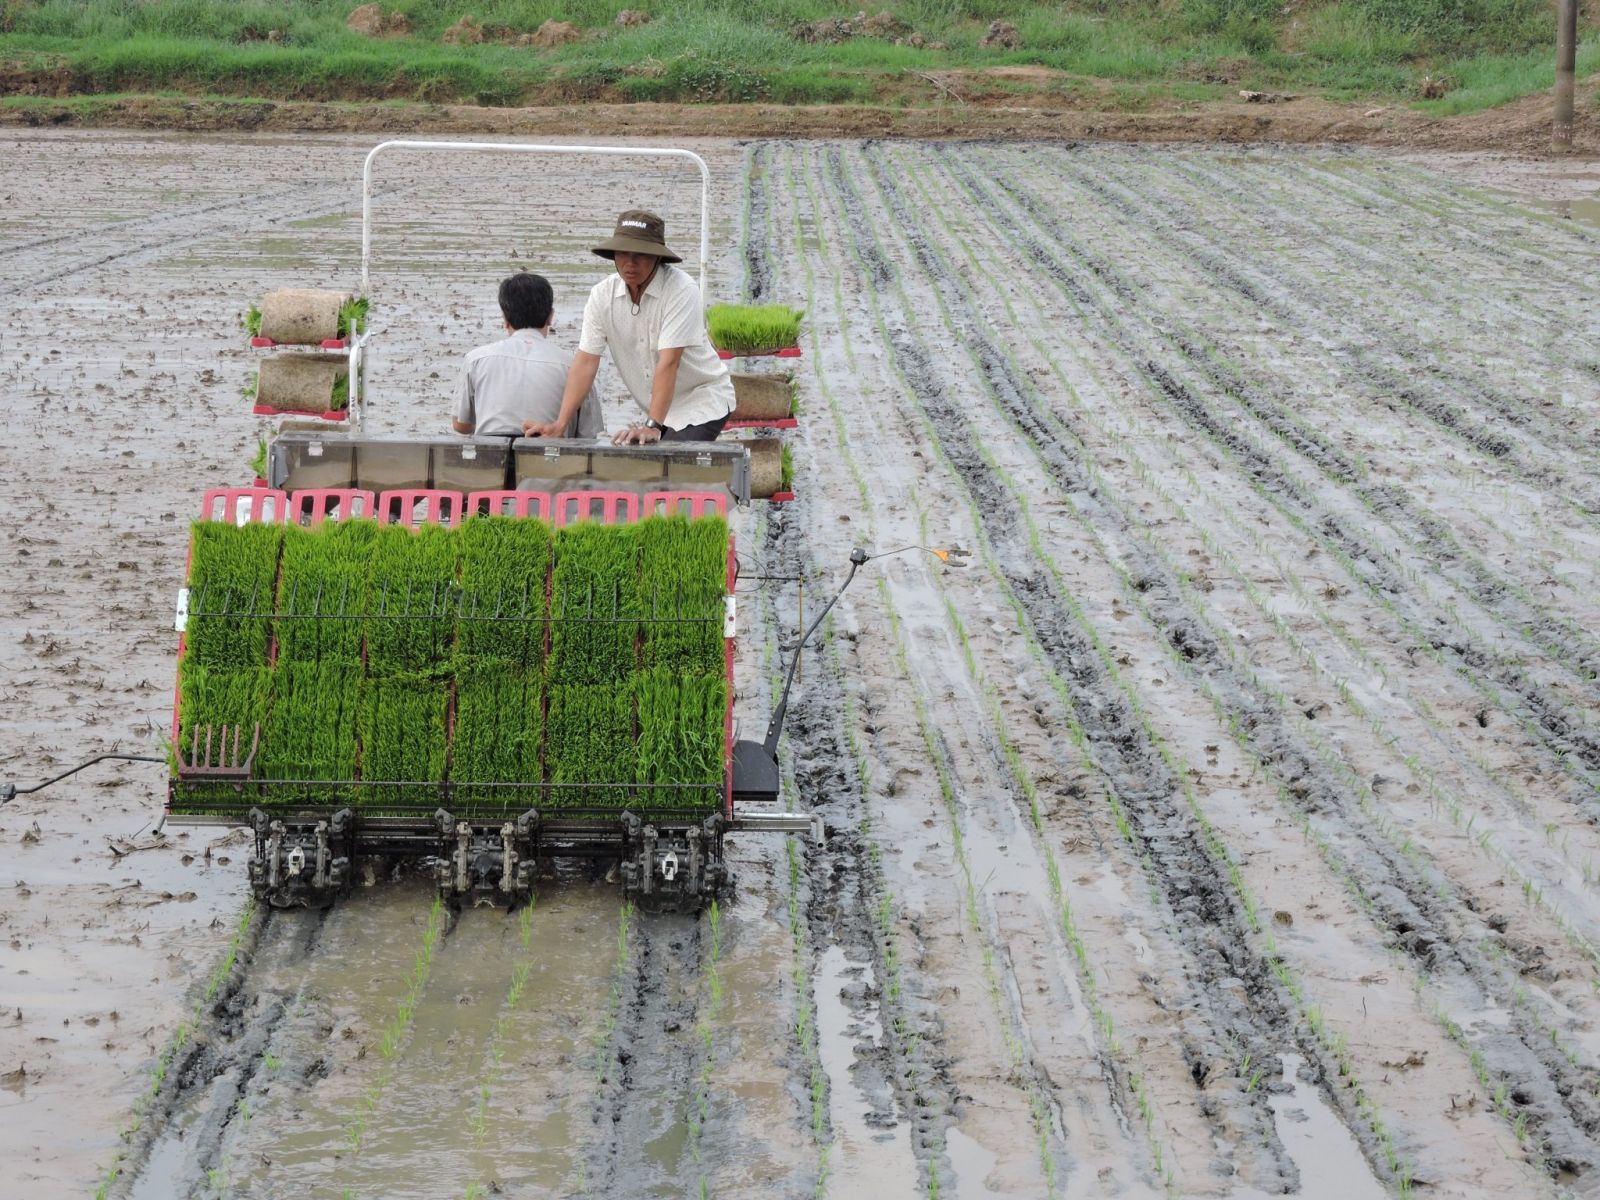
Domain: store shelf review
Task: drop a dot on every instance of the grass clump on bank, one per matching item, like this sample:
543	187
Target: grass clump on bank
753	328
801	52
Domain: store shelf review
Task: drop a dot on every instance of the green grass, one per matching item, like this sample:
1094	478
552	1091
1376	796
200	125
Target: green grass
252	321
231	575
717	51
752	328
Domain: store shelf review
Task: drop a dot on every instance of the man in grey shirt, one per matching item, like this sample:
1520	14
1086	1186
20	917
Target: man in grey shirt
520	379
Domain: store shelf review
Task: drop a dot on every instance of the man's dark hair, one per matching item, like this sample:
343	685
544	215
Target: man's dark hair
526	301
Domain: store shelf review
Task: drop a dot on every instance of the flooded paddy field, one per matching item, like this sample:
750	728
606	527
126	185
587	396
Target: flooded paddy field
1222	823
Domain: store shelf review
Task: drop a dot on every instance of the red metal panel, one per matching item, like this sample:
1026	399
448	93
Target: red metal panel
419	506
268	506
314	505
698	503
727	717
509	504
609	508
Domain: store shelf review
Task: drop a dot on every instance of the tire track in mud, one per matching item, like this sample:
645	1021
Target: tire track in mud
905	1076
651	1062
757	259
1563	732
187	1121
1192	882
1418	919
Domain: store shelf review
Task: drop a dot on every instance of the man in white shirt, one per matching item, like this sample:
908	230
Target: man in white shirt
523	378
652	318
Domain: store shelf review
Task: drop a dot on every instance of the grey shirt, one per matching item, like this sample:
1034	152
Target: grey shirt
519	379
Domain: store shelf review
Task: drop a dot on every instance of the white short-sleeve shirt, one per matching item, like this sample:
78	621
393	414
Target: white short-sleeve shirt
519	379
670	314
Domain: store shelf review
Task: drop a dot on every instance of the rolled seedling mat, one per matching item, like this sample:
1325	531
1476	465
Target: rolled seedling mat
765	397
300	382
766	467
301	316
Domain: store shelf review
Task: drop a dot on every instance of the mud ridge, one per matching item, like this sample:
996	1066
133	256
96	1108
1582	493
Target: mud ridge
1190	880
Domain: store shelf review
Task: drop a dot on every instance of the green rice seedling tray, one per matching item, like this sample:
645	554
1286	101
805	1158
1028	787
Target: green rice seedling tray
498	735
739	329
231	573
595	605
403	739
322	587
683	583
410	598
505	567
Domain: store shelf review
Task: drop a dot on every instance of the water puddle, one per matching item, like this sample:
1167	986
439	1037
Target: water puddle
1585	212
865	1160
972	1162
1329	1160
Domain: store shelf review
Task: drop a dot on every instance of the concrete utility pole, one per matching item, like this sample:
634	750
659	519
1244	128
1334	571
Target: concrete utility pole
1566	56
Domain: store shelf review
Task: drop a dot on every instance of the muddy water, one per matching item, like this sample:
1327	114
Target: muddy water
1282	505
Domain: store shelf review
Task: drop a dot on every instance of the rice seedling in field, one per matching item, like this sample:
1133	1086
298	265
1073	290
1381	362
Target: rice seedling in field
410	594
321	591
499	729
683	580
589	739
402	739
313	731
681	737
505	563
231	575
595	604
753	328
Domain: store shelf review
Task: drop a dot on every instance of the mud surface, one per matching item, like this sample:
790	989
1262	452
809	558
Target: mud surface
1222	823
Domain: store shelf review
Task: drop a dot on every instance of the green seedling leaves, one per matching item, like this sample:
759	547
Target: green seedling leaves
753	328
595	604
411	599
505	567
683	576
231	574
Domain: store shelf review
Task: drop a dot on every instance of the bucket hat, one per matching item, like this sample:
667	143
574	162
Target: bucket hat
638	232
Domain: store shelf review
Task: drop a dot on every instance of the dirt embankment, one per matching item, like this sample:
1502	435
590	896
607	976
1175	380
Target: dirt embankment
959	111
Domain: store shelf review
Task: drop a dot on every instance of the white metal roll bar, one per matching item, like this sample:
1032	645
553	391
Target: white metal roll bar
529	148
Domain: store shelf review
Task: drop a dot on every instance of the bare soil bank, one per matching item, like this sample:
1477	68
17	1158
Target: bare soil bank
1522	127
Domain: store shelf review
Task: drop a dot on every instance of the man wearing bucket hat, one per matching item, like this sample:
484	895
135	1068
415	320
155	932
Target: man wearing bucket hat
652	318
